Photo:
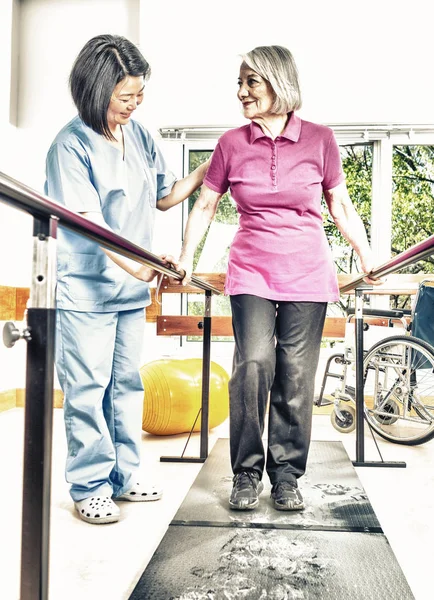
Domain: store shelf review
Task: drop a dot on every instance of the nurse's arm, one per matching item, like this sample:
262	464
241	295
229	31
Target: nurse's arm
130	266
183	188
349	223
200	217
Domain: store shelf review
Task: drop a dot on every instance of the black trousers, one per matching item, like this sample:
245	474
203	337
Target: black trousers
277	348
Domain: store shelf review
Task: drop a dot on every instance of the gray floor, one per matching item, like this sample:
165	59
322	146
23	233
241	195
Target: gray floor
195	563
329	550
89	562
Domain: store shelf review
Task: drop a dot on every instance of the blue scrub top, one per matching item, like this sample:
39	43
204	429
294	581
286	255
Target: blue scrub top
87	174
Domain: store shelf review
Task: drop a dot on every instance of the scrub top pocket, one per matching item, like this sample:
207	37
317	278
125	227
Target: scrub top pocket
90	278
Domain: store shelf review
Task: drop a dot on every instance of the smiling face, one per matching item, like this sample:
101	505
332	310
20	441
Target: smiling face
126	97
255	94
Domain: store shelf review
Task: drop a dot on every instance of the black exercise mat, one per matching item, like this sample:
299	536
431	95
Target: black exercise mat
203	563
333	494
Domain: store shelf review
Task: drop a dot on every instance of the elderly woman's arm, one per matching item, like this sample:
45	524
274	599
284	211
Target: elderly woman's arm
183	188
199	219
351	226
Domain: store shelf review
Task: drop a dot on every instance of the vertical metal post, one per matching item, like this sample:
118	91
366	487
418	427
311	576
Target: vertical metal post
360	393
206	363
41	321
360	430
204	409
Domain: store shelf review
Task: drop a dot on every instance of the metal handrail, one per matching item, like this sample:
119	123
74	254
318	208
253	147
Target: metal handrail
28	200
40	336
398	262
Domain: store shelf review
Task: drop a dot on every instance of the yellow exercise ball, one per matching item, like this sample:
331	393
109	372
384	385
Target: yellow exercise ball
173	395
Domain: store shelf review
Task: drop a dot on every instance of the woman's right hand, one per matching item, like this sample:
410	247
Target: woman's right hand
147	274
186	265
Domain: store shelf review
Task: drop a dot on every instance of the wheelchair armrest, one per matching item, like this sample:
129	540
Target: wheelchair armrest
374	312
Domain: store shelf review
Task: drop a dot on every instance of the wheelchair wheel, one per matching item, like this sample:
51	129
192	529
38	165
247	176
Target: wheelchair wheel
345	421
399	389
389	413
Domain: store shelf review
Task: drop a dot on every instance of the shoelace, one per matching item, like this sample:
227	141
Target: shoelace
285	485
245	478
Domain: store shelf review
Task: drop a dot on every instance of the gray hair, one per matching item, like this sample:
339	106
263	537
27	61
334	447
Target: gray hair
276	64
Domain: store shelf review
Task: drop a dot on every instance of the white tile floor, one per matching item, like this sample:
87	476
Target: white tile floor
89	562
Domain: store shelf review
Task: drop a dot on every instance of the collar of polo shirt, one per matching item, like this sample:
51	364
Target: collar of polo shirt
291	131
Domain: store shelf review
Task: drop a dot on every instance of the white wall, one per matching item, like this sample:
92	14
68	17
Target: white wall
51	33
5	58
369	61
358	61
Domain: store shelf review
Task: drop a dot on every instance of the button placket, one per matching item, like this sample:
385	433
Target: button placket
274	165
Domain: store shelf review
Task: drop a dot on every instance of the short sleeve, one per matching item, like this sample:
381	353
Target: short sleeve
165	178
333	172
68	179
216	177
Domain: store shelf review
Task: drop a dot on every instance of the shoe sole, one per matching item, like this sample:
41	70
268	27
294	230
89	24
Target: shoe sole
292	507
246	507
251	506
140	498
98	520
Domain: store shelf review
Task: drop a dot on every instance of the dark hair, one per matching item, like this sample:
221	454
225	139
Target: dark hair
103	62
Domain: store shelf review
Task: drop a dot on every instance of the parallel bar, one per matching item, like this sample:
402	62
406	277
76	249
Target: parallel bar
24	198
41	320
408	257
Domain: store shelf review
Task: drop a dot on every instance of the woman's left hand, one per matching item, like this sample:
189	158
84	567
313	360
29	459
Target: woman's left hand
367	266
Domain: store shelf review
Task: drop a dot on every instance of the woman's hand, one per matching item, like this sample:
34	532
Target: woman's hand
367	265
186	265
147	274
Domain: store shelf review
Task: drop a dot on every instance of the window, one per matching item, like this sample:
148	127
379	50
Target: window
212	253
357	165
390	176
412	206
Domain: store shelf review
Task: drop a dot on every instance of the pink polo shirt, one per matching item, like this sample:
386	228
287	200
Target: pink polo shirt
280	250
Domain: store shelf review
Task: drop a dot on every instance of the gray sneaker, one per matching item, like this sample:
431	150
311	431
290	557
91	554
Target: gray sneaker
286	496
245	492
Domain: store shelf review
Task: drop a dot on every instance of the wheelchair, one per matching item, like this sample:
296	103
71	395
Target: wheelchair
398	373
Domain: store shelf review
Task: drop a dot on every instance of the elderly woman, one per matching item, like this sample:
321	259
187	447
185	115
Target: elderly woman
106	166
280	275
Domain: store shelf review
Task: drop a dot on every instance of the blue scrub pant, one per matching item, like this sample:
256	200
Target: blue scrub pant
97	361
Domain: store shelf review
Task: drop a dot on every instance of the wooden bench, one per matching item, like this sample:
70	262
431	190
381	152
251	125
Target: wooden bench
334	327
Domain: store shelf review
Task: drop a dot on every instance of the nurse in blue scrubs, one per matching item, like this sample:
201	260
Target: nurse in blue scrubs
107	167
